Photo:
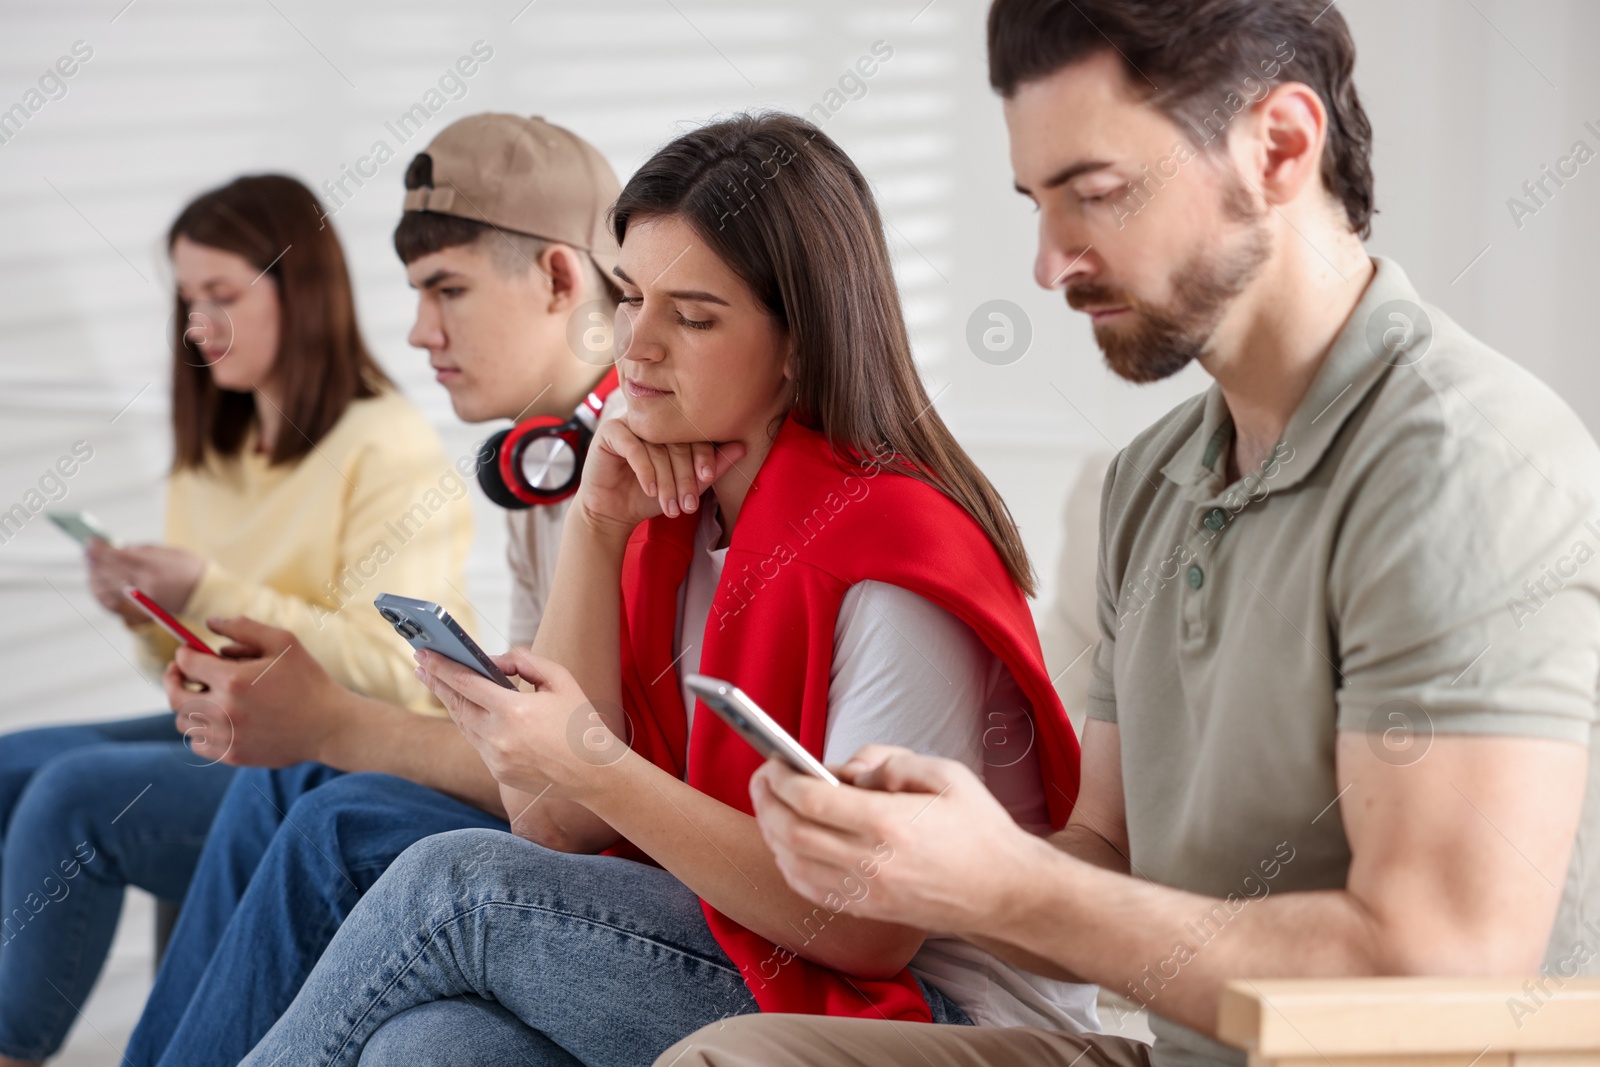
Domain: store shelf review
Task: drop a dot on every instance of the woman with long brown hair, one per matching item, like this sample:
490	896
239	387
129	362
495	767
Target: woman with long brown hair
781	508
294	456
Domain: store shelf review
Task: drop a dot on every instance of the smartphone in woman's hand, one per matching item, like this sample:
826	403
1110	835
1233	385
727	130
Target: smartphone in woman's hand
753	724
425	624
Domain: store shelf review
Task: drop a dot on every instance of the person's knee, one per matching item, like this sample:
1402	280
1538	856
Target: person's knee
332	813
455	854
477	863
350	819
72	797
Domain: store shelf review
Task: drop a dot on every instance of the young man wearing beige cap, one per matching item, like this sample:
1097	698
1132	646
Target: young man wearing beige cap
504	239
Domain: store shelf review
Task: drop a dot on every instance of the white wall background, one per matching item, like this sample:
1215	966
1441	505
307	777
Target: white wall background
1469	98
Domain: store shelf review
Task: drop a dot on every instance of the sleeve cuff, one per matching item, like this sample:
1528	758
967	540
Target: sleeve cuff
1550	725
1102	708
217	593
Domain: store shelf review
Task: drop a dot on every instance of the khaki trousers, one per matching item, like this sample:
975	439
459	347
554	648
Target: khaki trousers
821	1041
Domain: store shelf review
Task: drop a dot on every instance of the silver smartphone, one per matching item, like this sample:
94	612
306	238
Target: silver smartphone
80	526
425	624
756	726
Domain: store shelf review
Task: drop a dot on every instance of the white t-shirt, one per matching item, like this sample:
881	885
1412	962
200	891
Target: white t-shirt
907	672
532	546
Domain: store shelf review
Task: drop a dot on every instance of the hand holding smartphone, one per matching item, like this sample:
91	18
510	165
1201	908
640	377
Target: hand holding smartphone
81	526
425	624
167	621
750	722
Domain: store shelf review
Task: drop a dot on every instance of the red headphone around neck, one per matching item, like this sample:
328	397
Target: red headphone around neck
540	460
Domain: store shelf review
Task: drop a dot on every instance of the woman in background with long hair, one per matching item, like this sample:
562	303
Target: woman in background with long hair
292	449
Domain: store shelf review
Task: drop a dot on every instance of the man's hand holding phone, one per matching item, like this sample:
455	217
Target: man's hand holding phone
266	701
938	850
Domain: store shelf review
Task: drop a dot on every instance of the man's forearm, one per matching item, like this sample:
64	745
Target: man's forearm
378	737
1171	950
1078	840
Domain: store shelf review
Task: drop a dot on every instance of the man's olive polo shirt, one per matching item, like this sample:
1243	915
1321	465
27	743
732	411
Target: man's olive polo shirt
1419	555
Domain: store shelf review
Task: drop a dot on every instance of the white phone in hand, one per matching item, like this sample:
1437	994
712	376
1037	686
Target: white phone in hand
80	526
755	725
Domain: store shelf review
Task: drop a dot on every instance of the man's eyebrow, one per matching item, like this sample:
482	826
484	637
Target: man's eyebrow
699	296
441	275
1065	175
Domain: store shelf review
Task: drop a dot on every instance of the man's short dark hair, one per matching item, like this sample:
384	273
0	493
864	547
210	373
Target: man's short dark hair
1201	62
422	233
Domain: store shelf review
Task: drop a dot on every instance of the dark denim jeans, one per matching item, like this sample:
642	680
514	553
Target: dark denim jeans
479	947
87	811
290	853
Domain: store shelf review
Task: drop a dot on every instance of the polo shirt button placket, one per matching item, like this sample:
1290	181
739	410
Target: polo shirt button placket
1194	580
1213	519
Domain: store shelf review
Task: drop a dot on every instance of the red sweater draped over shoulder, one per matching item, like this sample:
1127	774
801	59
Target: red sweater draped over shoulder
815	522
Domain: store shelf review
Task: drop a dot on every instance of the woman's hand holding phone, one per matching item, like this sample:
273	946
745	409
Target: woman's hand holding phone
165	574
531	740
627	480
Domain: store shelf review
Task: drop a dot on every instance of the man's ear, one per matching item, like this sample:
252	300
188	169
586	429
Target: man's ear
564	266
1285	153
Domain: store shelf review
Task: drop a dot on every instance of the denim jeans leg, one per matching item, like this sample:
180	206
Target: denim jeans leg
334	843
461	1031
88	824
23	752
611	960
250	815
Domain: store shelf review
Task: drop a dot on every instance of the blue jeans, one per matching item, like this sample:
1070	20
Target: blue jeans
87	810
590	959
291	852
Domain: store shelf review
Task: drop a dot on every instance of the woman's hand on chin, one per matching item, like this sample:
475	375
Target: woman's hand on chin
627	480
550	737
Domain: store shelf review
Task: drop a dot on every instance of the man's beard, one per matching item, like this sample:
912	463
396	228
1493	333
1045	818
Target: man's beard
1162	340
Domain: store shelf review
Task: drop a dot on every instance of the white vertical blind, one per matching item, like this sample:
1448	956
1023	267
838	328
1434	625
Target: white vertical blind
178	96
1468	101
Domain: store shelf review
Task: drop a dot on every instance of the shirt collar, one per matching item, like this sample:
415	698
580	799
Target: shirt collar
1374	338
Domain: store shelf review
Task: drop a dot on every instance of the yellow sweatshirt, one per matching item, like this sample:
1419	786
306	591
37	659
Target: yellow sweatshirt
375	507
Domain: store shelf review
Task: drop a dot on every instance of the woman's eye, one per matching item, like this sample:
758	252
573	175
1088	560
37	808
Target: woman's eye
451	291
693	324
633	301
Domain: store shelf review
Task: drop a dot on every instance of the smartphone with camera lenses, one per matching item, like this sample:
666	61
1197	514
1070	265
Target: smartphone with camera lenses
425	624
752	723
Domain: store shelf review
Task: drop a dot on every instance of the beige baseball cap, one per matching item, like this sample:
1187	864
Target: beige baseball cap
521	174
